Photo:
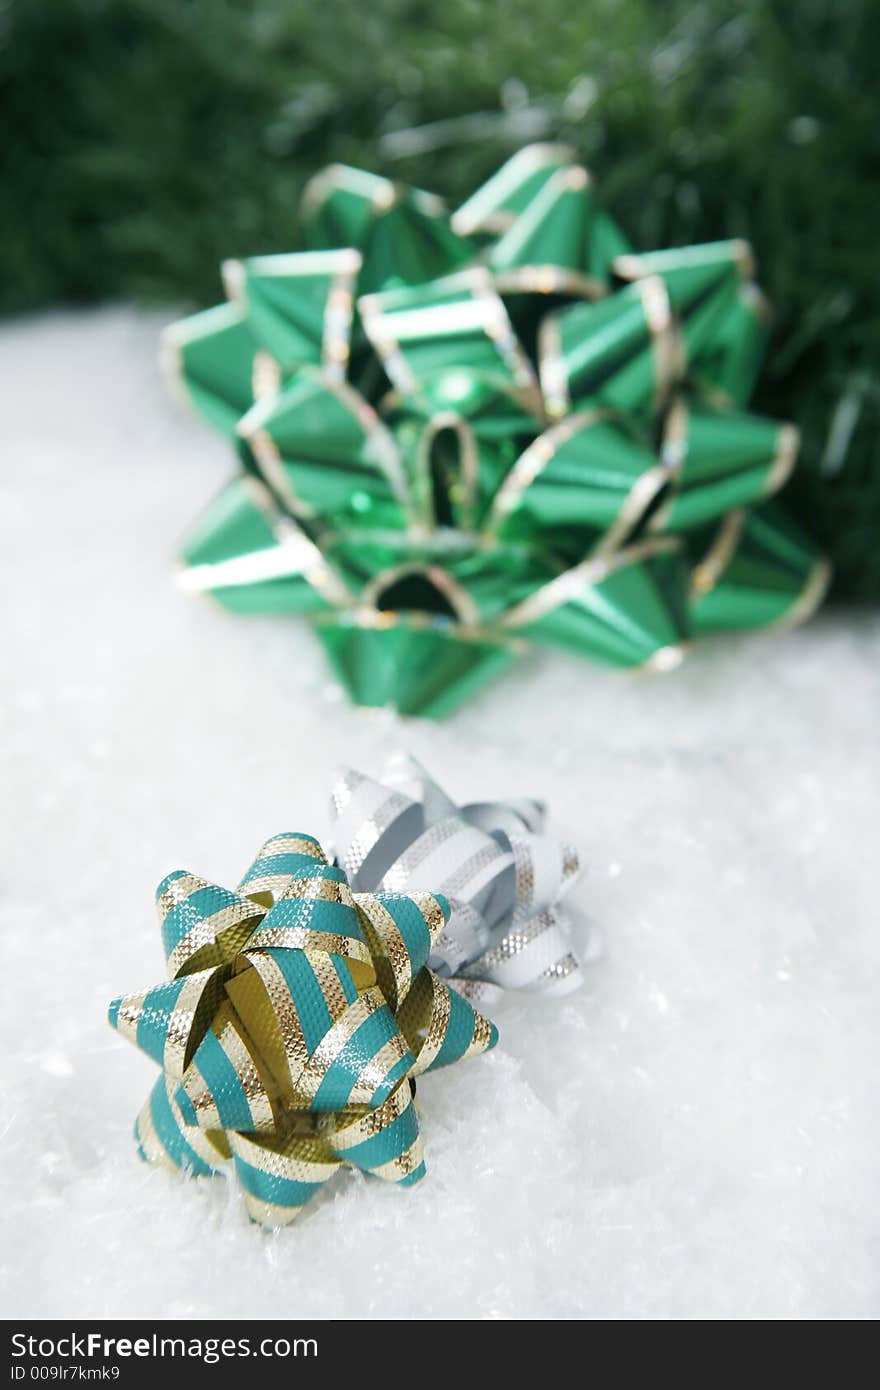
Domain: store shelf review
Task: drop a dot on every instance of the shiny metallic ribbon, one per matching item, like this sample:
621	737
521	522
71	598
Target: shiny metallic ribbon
460	434
297	1015
504	877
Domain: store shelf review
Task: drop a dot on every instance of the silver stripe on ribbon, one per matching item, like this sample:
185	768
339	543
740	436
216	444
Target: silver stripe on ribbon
503	874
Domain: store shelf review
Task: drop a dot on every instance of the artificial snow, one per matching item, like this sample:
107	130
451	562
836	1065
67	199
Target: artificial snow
693	1135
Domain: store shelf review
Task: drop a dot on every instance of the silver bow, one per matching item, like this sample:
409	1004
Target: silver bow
504	877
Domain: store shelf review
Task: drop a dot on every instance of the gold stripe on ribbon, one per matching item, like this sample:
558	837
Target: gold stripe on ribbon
326	889
673	449
305	939
481	1036
130	1010
788	442
149	1140
336	342
469	461
533	460
329	982
200	992
469	218
284	1010
463	605
706	574
383	451
667	347
379	922
431	911
305	1161
297	1159
212	1148
293	844
267	1214
208	932
307	1083
568	585
349	1135
177	892
203	1103
294	553
548	279
266	376
242	1060
376	1069
403	1164
438	1023
551	368
810	597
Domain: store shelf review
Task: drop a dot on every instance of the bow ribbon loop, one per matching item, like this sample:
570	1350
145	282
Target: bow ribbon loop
505	878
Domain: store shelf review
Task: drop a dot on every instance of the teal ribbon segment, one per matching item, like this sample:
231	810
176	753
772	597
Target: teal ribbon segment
445	420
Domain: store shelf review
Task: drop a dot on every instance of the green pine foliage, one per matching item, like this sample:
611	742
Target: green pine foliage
147	139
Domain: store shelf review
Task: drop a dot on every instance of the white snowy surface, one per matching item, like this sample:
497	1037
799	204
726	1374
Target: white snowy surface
694	1135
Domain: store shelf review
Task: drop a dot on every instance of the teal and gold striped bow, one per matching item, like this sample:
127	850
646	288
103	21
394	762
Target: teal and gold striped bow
459	434
296	1018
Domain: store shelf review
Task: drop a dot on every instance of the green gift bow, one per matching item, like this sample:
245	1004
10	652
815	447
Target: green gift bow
496	426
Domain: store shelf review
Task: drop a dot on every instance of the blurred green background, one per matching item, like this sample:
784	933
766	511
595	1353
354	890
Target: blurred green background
147	139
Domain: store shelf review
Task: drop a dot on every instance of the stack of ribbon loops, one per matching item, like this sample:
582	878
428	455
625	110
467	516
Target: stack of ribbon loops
504	876
458	433
295	1019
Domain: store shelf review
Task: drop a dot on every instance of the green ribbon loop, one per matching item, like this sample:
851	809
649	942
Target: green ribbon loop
462	432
